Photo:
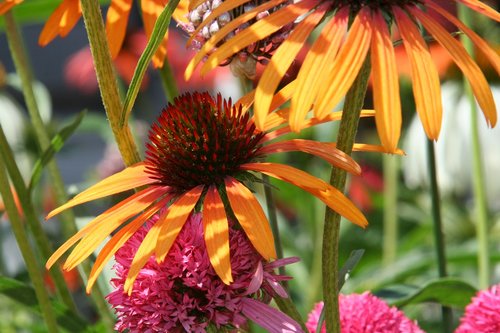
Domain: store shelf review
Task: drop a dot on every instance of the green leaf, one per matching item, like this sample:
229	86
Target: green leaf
159	31
25	295
450	292
55	145
349	265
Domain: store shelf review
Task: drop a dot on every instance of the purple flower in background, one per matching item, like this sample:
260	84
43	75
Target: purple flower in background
365	313
184	293
482	315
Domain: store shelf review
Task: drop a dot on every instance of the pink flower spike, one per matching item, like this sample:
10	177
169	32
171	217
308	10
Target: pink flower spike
269	318
483	313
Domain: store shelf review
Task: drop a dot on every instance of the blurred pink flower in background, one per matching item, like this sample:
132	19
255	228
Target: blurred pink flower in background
184	294
482	315
361	187
365	313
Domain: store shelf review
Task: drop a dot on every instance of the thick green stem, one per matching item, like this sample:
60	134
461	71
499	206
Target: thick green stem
29	256
345	140
106	78
481	204
390	242
438	230
41	240
168	81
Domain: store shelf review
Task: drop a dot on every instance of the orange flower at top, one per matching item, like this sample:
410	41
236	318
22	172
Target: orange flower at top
6	5
335	59
67	14
201	150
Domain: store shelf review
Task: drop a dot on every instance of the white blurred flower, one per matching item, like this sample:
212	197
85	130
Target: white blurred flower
454	148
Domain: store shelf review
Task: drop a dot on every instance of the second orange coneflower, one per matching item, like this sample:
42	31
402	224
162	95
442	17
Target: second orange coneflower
67	14
200	153
334	60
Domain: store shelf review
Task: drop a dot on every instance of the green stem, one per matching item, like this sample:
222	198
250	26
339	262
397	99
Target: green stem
23	69
92	17
345	140
438	230
390	242
287	306
481	210
41	240
29	256
168	81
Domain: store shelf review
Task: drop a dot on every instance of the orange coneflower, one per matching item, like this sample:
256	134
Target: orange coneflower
67	14
6	5
335	59
201	150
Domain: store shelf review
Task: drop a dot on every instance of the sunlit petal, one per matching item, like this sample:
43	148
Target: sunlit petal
116	24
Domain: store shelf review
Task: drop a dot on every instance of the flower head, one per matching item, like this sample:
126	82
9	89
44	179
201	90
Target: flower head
201	150
483	313
67	14
333	62
185	294
365	313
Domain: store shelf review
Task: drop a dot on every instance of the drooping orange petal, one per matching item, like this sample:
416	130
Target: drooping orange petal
215	39
7	5
181	11
257	31
481	44
323	150
131	177
346	66
61	21
482	8
364	147
117	241
469	68
151	10
280	98
174	220
332	197
385	84
195	3
251	217
116	24
281	61
131	204
216	234
334	116
109	222
424	74
315	65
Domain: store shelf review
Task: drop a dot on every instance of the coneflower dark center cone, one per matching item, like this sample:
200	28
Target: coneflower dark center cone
356	5
199	140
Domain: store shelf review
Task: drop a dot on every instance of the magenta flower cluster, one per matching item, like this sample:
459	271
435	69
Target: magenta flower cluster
483	313
184	294
365	313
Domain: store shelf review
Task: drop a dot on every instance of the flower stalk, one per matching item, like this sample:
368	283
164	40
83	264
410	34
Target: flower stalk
27	252
345	140
106	78
438	229
478	171
390	242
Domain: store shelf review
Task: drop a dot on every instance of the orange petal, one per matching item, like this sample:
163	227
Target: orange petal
315	65
109	222
482	8
117	241
174	220
70	18
334	116
52	27
469	68
195	3
129	203
425	77
281	97
116	24
256	32
251	217
181	11
346	66
216	234
481	44
332	197
151	10
323	150
364	147
215	39
281	61
385	84
7	5
131	177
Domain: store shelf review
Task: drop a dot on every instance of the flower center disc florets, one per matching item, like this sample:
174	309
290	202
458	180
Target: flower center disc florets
386	5
199	140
